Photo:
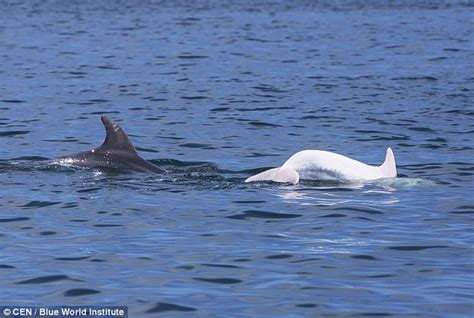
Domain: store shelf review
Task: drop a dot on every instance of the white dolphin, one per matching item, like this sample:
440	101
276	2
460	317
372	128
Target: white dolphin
325	165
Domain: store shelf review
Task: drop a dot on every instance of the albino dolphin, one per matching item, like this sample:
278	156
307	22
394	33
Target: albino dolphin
325	165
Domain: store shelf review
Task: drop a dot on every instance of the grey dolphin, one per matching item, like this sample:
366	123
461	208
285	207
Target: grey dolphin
116	152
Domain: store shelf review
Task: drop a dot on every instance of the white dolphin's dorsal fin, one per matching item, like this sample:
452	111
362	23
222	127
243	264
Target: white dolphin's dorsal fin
389	167
287	175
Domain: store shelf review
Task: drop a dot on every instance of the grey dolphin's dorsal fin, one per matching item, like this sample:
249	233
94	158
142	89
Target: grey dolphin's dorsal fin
116	138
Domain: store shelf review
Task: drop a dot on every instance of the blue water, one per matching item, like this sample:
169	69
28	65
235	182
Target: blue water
215	92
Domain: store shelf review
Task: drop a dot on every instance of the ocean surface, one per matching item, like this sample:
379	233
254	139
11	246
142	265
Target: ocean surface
215	92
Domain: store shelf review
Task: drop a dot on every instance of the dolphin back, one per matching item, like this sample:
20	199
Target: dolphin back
323	165
116	152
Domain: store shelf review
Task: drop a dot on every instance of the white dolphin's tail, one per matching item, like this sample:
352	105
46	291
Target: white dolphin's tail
280	174
389	167
266	175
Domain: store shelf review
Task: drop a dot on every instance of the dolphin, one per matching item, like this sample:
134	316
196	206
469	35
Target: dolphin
325	165
116	152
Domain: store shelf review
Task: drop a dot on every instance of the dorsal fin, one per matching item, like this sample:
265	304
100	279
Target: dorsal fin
389	167
116	138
